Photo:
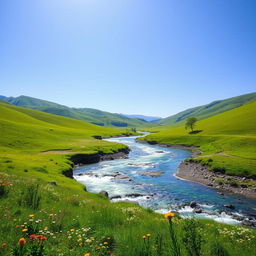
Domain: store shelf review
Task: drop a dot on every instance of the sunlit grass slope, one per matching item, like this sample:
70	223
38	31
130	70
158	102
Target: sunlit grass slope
227	140
37	199
26	134
208	110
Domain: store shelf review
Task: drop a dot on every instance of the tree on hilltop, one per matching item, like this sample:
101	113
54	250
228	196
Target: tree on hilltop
190	123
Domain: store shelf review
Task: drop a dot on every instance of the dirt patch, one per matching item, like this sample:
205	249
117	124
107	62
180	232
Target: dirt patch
58	152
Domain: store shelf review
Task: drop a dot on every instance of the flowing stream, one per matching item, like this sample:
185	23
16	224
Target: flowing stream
127	179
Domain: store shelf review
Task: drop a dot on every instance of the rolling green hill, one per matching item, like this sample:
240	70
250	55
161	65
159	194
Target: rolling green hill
227	140
27	135
98	117
37	199
208	110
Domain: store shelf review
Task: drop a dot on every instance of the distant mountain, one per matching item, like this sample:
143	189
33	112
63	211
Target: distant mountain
150	119
90	115
211	109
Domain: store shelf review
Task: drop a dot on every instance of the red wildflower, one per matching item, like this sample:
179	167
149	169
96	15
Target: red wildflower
33	236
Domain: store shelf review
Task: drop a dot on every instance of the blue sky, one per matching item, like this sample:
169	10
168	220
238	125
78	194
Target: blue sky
153	57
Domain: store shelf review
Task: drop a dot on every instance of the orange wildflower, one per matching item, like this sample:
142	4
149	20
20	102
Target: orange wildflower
22	242
4	244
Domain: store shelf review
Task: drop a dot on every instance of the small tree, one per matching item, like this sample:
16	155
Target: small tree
190	123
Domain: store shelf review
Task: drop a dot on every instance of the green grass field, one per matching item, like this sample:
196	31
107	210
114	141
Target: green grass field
227	140
27	135
35	150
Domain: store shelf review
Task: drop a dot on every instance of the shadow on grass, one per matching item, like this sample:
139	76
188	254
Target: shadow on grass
195	132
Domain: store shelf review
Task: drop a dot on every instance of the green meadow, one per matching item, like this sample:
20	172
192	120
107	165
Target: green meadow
45	213
227	140
37	144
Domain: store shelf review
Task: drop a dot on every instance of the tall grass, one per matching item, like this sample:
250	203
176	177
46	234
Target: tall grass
30	197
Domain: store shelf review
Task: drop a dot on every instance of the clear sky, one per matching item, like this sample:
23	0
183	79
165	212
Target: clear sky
153	57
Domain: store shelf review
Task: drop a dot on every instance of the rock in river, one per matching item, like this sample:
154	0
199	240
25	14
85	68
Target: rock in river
193	204
123	178
104	193
152	174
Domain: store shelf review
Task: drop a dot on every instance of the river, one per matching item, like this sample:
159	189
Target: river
123	180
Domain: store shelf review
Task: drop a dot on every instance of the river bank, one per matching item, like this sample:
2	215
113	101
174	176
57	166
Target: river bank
196	172
82	159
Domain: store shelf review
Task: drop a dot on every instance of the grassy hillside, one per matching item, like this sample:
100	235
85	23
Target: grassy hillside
45	213
208	110
90	115
27	133
227	140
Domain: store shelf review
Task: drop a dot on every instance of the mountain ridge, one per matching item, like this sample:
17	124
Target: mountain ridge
208	110
94	116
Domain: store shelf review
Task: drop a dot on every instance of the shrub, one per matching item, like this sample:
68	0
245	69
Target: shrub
219	169
4	190
219	181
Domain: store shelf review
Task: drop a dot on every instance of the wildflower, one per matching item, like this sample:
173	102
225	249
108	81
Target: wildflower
72	230
87	254
33	236
105	243
144	237
22	242
4	244
24	230
51	214
148	235
80	239
169	215
17	226
31	215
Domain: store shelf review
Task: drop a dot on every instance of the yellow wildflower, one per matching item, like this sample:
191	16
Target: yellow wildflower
169	215
105	243
87	254
72	230
148	235
31	215
24	230
144	237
